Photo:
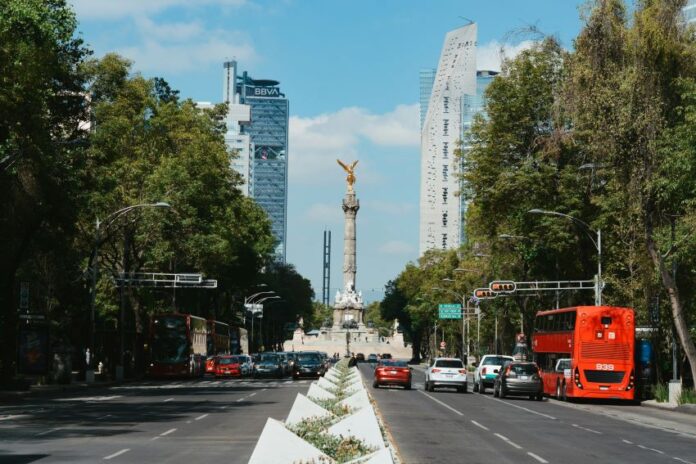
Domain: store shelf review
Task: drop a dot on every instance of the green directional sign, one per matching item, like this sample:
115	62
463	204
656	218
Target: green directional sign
450	311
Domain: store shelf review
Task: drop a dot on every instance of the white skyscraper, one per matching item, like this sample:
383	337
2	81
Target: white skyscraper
440	207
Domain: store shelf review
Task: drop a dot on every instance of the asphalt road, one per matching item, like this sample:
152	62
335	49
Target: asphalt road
187	421
450	427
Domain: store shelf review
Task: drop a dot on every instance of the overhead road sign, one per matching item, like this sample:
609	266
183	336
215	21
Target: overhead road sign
450	311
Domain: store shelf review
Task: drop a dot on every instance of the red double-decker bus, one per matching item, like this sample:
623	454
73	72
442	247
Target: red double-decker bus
586	352
218	338
178	345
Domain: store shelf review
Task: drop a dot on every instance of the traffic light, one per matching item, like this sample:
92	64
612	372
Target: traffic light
484	293
503	286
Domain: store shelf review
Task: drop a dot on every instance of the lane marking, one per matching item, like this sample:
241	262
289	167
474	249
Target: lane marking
117	453
155	438
441	403
507	440
223	407
683	460
524	409
164	434
626	441
479	425
240	400
537	457
264	389
103	417
49	431
168	400
650	449
586	429
252	394
201	417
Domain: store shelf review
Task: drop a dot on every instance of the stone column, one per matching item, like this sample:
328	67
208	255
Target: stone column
350	209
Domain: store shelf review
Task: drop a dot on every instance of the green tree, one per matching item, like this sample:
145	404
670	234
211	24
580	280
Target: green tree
41	107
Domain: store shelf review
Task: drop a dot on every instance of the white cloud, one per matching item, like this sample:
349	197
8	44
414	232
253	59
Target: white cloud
489	56
175	32
316	142
116	9
324	213
397	247
389	207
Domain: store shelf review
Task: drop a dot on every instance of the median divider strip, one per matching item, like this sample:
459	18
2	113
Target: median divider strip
334	423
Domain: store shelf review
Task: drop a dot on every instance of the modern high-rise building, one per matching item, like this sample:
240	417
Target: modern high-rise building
427	79
441	212
690	11
257	130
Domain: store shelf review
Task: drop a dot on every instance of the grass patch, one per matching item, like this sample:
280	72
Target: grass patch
688	396
661	393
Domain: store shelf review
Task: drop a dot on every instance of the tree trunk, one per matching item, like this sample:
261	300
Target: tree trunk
670	285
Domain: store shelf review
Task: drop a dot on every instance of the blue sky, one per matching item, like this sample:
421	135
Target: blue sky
350	71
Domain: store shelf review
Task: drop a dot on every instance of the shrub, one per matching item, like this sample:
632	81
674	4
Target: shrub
688	396
661	393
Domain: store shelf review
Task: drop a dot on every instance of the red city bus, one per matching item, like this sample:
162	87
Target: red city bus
586	352
177	345
218	338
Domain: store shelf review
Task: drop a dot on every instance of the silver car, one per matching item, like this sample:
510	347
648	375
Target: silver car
446	372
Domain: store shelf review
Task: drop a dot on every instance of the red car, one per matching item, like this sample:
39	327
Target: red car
210	364
228	366
390	372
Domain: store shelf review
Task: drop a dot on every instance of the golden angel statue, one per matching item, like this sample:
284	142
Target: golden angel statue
351	173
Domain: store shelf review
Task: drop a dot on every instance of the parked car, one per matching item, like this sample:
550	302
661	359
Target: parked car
292	359
308	364
389	372
372	358
228	366
487	370
386	356
446	372
269	364
247	364
360	357
519	378
286	361
210	364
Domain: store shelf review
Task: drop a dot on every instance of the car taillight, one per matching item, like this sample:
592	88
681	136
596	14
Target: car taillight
483	371
630	381
510	373
434	371
577	378
462	371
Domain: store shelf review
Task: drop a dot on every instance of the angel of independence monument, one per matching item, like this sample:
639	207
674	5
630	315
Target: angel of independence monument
348	304
348	331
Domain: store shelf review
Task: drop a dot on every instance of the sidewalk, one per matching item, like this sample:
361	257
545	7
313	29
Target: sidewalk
10	396
684	408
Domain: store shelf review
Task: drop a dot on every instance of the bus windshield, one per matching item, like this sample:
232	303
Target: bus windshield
169	341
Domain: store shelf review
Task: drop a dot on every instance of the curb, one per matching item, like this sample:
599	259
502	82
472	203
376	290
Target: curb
689	409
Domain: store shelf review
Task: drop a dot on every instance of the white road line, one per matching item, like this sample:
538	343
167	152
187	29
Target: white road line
164	434
240	400
49	431
537	457
118	453
683	460
525	409
507	440
650	449
155	438
201	417
479	425
168	400
251	394
223	407
441	403
103	417
288	381
586	429
626	441
264	389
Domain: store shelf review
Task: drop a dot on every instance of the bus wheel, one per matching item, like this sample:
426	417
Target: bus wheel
564	393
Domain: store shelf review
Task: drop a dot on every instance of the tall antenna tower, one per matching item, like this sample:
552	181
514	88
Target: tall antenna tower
326	270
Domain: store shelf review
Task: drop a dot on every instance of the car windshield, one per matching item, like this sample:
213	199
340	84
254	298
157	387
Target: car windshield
309	358
268	358
495	361
454	363
523	369
394	363
231	360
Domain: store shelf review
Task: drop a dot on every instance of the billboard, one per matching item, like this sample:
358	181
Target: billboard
33	350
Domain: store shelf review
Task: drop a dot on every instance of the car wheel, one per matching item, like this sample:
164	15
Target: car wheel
540	397
531	397
407	386
476	387
564	393
375	384
501	391
495	390
482	387
465	388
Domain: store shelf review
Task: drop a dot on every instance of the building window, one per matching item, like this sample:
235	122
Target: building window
444	219
445	172
445	149
445	126
444	241
445	104
444	195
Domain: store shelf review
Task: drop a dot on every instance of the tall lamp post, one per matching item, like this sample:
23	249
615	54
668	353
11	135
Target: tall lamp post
253	315
596	238
249	300
100	226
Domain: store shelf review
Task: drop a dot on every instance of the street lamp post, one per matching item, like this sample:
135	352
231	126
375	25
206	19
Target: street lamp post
248	301
596	241
100	225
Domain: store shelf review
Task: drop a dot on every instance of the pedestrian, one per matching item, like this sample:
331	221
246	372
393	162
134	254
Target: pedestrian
352	361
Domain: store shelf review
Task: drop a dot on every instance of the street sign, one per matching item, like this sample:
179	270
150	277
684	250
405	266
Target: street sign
450	311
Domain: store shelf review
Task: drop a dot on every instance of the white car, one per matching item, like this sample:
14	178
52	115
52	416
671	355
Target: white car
446	372
247	364
487	370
